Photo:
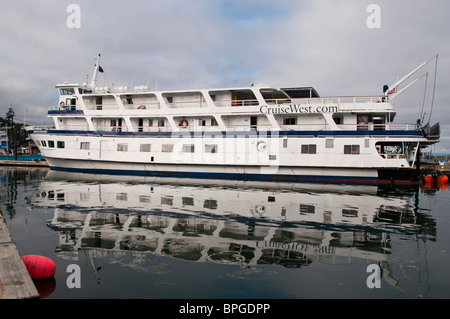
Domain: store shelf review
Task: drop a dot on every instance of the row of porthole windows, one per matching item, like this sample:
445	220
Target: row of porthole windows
190	148
348	149
165	148
51	144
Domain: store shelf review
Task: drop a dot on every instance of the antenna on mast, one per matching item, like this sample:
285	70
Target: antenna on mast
97	68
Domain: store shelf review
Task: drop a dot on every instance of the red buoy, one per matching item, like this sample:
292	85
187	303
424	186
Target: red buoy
39	267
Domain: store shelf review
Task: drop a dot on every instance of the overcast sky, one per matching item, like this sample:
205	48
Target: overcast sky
197	44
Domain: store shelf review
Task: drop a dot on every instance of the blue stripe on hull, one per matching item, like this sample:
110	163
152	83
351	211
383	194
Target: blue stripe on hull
225	176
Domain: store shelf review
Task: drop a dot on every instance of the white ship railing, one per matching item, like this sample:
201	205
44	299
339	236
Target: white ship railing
406	127
41	127
393	155
349	101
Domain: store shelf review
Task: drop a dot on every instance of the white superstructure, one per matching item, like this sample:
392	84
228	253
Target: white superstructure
247	133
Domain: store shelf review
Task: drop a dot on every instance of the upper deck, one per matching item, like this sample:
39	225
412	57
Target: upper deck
255	107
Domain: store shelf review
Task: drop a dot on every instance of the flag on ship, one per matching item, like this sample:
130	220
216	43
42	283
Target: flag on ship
394	90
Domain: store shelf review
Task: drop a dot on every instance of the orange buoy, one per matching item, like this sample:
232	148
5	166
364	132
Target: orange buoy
442	179
39	267
428	180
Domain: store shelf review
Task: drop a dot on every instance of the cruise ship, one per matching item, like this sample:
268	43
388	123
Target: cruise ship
254	133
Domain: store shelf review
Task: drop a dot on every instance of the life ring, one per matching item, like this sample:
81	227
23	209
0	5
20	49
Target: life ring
141	107
261	146
184	123
61	105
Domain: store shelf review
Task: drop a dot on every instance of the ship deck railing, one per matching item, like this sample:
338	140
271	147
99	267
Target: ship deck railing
313	127
393	155
350	101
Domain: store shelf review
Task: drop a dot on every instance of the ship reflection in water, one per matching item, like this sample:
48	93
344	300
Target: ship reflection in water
252	224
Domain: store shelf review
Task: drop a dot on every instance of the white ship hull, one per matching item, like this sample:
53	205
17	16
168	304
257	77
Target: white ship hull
240	159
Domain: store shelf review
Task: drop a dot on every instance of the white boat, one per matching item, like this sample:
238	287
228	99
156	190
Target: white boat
258	133
4	144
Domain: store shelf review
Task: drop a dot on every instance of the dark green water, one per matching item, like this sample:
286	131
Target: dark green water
142	239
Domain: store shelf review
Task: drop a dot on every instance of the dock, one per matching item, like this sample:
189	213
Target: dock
15	281
24	163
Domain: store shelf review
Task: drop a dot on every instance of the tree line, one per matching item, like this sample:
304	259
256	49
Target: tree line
16	133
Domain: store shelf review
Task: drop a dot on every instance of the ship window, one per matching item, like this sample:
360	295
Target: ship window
187	201
290	121
44	143
82	91
329	143
113	124
309	149
122	147
98	102
167	201
188	148
307	209
211	148
214	122
285	143
68	91
144	199
351	149
145	147
338	119
51	144
85	145
243	98
167	148
60	144
161	122
272	157
210	203
201	122
349	213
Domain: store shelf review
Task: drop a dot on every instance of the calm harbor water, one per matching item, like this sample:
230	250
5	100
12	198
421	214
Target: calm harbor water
162	239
